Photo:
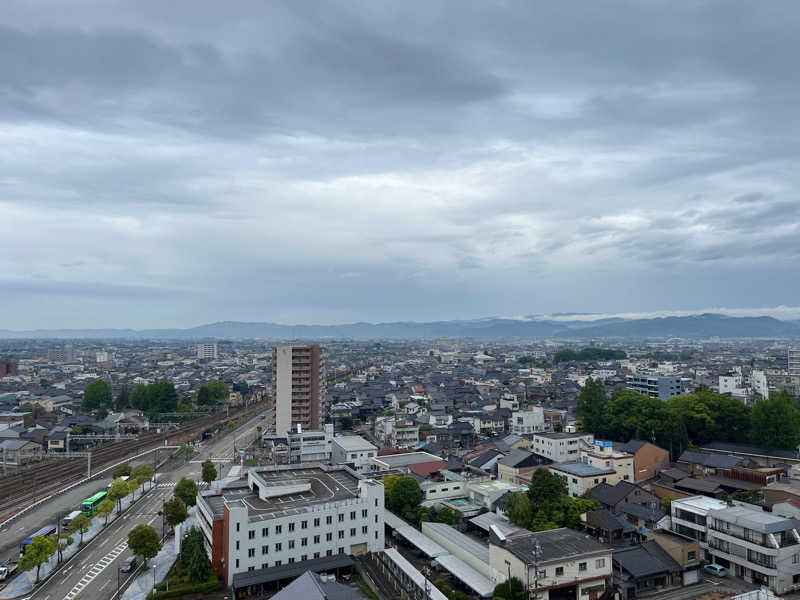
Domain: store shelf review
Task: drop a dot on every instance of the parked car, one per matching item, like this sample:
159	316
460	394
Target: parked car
715	569
130	564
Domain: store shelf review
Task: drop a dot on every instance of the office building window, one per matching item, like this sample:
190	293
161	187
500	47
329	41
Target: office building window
264	550
328	537
251	535
582	566
251	552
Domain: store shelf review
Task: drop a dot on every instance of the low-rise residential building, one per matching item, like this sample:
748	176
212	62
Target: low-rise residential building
561	447
353	450
285	515
759	547
580	477
559	563
603	456
516	466
528	422
655	386
648	459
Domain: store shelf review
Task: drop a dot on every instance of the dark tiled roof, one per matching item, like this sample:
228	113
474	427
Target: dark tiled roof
748	449
716	461
642	511
640	563
555	544
519	458
611	494
633	446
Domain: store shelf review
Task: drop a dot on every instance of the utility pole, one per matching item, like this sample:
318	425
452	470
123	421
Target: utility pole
89	464
537	554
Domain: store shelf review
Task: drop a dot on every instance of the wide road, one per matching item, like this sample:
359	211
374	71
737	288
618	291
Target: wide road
92	573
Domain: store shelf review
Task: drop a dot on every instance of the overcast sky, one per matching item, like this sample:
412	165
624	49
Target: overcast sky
183	162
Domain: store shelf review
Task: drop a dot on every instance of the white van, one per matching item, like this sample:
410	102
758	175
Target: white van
68	519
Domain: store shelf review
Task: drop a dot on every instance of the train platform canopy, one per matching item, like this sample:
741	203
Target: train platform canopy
486	520
481	585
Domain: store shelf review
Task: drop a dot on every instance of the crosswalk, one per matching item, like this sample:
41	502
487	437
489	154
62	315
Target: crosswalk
172	484
98	568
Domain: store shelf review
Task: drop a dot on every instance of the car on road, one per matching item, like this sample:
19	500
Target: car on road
130	564
715	569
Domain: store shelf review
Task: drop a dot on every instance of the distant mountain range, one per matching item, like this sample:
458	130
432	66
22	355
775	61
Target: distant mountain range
692	327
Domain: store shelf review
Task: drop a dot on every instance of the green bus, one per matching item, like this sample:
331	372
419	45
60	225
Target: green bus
89	506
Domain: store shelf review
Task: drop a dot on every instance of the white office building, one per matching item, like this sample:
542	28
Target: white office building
285	515
527	422
561	447
207	351
794	361
353	450
310	446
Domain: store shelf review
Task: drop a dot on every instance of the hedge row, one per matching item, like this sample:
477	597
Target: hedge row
187	588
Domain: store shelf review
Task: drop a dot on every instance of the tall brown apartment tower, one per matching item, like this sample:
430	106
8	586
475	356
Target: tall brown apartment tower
298	380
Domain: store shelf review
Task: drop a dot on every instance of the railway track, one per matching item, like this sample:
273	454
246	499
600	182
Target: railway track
28	485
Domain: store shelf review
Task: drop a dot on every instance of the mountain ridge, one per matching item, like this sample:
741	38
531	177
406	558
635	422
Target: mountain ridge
698	326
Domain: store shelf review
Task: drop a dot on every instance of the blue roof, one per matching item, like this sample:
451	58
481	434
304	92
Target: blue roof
581	469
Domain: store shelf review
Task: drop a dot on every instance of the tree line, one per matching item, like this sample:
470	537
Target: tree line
587	354
688	420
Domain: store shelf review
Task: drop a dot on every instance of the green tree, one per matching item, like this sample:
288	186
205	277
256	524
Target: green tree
592	406
446	515
122	471
519	508
405	496
95	395
133	485
666	505
211	393
346	422
143	472
37	553
209	471
775	422
104	509
513	589
540	522
123	399
141	397
143	541
546	489
62	543
186	490
175	512
193	556
80	524
118	491
389	481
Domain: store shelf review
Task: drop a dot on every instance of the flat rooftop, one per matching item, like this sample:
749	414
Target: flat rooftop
581	469
561	435
702	503
326	486
409	458
353	443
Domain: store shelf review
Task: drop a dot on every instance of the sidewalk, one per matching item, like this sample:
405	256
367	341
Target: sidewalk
24	582
160	565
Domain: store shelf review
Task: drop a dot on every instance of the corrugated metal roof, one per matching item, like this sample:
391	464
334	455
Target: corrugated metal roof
482	586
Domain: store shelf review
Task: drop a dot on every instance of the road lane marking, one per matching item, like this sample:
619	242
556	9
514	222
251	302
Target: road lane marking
98	568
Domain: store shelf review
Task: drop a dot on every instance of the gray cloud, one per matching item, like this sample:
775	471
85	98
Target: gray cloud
172	164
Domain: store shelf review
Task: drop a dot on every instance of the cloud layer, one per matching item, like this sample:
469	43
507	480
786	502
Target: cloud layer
172	164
